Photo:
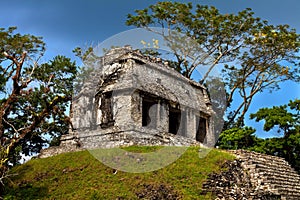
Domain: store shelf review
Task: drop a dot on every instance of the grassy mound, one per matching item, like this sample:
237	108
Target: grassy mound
78	175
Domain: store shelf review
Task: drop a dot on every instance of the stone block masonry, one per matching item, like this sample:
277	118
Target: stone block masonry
129	98
255	176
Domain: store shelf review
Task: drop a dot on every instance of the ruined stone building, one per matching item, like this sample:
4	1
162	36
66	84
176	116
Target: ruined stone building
132	99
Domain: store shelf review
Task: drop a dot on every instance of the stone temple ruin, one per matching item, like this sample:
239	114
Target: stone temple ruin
132	99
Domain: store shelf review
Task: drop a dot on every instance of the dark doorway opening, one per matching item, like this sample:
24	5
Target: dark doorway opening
201	129
149	112
107	111
174	120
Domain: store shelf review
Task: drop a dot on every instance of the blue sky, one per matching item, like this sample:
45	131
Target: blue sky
66	24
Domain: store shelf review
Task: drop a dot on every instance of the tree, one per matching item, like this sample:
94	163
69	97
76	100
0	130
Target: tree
237	138
256	56
34	96
286	119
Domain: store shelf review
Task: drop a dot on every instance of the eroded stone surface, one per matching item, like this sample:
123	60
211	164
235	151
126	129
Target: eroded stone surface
138	100
255	176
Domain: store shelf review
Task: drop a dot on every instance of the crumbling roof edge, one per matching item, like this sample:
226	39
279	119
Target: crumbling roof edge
155	62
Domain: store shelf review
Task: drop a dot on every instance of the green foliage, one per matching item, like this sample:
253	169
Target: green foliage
285	119
17	44
280	116
34	96
78	175
237	138
202	36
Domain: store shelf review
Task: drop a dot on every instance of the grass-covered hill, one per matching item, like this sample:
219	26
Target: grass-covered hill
78	175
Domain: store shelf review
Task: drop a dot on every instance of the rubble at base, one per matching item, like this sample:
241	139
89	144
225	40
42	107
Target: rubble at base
121	139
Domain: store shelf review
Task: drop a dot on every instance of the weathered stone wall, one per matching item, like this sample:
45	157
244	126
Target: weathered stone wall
94	140
154	79
127	75
69	143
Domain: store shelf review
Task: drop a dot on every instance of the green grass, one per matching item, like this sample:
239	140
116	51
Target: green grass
78	175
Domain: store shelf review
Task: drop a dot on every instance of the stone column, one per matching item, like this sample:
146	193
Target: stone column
163	117
191	124
210	136
136	109
122	107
